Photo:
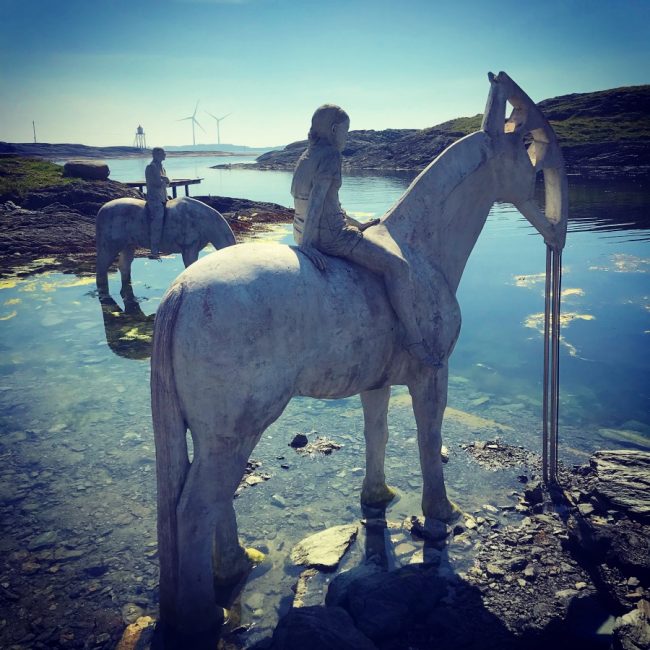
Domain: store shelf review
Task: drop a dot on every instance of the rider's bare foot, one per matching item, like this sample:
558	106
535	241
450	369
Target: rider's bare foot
420	351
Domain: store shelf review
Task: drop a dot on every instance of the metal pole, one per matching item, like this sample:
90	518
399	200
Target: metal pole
555	362
545	414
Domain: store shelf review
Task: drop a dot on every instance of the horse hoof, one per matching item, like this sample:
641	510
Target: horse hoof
449	512
378	497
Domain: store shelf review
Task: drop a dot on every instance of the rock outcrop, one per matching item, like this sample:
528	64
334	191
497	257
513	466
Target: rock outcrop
59	220
90	170
602	134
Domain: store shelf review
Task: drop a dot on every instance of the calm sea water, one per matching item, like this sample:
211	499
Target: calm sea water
77	489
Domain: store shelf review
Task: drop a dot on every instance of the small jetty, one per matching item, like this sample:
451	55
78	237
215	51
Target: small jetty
185	182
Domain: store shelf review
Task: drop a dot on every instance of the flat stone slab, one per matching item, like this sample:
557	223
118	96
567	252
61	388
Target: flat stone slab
623	478
324	550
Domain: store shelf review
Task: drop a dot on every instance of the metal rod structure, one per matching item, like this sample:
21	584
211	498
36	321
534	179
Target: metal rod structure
551	403
547	316
555	363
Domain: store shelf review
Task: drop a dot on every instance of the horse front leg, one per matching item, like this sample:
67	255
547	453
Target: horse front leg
375	416
429	393
124	262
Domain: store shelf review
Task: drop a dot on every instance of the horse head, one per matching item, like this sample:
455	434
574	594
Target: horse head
526	144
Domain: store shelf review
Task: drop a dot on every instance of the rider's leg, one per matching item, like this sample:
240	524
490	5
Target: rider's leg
396	273
157	211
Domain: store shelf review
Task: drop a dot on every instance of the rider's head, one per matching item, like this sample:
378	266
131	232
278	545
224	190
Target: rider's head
158	153
329	123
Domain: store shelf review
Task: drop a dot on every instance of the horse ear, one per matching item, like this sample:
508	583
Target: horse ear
495	108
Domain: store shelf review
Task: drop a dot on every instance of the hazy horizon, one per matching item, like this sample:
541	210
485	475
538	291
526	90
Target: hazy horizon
92	72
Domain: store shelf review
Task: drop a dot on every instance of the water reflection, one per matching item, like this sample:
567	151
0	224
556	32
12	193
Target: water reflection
77	485
610	206
129	331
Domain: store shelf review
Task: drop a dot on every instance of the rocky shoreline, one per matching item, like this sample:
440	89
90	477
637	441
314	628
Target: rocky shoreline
568	568
54	227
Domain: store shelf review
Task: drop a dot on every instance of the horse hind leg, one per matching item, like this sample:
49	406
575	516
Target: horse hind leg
105	257
190	254
205	515
375	414
209	551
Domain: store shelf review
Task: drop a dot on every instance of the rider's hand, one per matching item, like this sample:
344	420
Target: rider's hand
317	258
369	224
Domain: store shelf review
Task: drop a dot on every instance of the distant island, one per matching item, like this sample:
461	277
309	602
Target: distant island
602	134
62	151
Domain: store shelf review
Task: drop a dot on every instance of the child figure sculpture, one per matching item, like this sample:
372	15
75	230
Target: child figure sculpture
322	226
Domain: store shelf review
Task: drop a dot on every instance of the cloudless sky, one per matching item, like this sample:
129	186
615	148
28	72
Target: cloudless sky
90	71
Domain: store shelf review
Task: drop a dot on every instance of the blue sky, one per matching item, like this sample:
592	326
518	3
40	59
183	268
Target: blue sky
90	71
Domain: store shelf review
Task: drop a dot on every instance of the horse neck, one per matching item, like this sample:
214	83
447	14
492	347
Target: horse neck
441	215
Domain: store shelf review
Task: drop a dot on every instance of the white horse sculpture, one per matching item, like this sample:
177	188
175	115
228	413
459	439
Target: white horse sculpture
123	225
242	331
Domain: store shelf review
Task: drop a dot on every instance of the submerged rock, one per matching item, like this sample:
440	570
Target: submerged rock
324	550
299	440
138	635
433	530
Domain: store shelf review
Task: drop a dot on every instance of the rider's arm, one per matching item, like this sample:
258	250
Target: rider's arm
360	225
351	221
314	211
153	178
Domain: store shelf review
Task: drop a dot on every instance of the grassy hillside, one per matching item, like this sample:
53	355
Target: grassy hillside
619	114
18	176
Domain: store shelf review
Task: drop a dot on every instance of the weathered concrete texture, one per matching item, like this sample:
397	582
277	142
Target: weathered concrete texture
90	170
319	628
623	479
324	550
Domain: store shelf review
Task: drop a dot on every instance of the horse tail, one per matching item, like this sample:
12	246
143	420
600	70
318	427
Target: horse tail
172	460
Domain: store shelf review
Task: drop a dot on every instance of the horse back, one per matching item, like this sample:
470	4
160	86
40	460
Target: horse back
120	219
255	314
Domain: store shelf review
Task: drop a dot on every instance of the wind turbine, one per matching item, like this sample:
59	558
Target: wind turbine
218	120
194	121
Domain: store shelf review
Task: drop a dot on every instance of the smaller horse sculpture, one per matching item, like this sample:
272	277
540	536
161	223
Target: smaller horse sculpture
123	225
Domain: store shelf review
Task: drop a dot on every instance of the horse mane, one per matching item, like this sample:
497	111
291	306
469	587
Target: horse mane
427	193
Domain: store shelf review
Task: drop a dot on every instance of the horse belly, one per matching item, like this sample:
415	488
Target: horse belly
287	328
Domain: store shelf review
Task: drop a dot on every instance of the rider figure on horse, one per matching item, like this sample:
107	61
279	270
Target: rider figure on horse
157	183
322	226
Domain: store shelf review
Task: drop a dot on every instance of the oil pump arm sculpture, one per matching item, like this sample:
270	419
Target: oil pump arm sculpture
243	330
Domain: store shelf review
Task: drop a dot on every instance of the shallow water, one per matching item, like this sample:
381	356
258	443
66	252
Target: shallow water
77	481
